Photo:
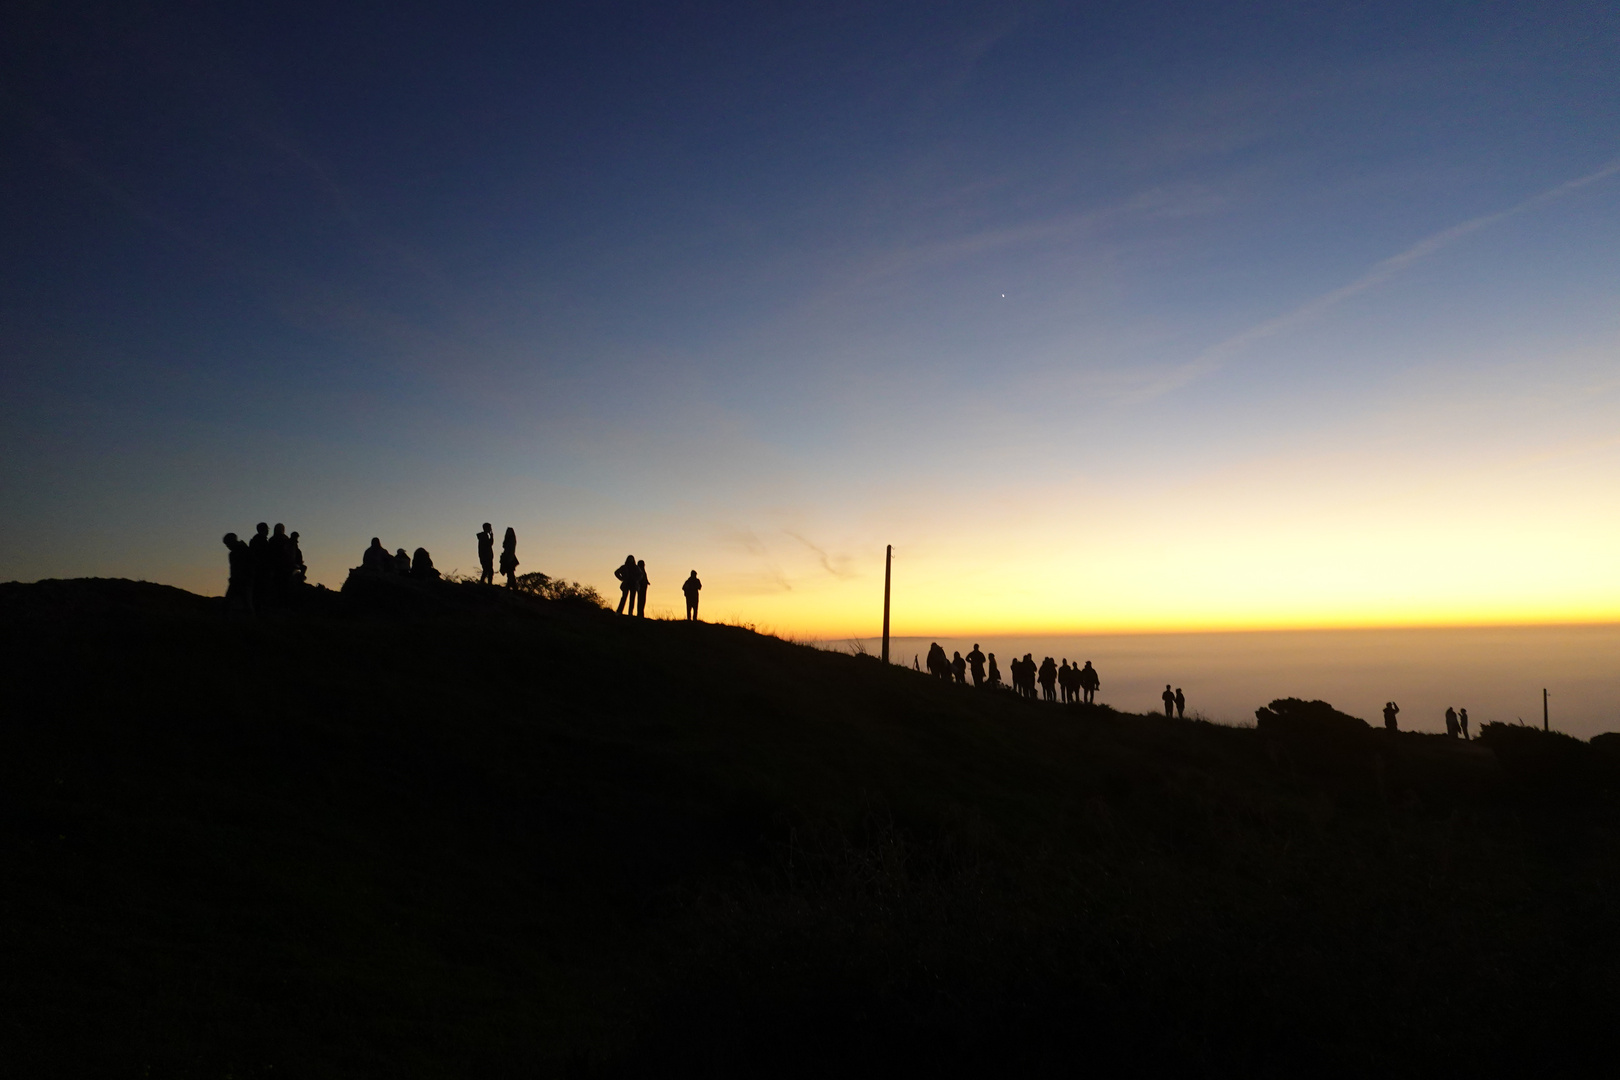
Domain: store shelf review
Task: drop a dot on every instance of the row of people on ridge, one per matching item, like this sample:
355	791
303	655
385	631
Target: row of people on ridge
1075	683
633	583
264	570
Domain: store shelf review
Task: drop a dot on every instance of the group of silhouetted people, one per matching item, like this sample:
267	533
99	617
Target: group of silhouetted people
1066	682
376	560
633	583
265	571
1175	703
1457	723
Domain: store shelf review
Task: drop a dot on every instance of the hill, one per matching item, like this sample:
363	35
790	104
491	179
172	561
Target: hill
456	832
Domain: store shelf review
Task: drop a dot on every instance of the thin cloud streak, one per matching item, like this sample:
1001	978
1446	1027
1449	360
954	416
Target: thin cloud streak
1216	356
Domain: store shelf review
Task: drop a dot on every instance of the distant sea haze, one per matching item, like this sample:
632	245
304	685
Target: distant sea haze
1496	673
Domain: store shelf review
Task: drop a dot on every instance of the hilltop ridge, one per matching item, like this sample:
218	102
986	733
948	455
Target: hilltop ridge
452	831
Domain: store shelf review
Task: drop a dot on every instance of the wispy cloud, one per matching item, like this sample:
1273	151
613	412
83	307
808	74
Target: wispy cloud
1219	354
836	565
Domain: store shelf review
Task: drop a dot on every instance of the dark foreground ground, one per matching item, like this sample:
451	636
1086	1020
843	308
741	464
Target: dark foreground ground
457	834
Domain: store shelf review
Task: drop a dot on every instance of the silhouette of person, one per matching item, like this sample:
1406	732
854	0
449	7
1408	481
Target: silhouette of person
259	556
959	668
641	588
1169	701
914	665
239	589
1090	683
402	562
1462	723
300	572
975	660
509	559
1451	721
279	563
691	587
1391	710
486	555
1049	679
1181	705
1063	681
376	559
626	574
1029	675
994	678
422	565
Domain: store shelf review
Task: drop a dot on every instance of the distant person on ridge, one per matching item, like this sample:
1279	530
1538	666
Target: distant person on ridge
509	559
938	666
239	589
1391	710
1181	705
259	556
995	673
300	572
486	555
279	564
1029	675
422	566
641	588
1451	721
1048	678
691	587
959	668
1462	723
402	562
1065	680
376	558
1090	683
975	661
1169	701
626	573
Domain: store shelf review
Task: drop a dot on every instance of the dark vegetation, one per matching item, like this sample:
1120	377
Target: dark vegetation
452	831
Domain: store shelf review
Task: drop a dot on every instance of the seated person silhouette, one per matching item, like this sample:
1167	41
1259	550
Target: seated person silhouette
402	562
376	559
239	587
422	566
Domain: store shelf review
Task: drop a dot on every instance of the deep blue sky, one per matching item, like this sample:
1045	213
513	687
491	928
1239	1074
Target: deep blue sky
1035	291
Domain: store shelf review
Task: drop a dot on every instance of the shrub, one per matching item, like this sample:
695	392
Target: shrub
548	588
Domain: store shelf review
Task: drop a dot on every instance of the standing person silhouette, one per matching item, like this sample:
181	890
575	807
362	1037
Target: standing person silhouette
995	673
259	557
626	573
691	587
279	564
1181	705
1048	677
1064	678
1451	721
300	572
959	669
1090	683
1169	701
486	555
1462	723
509	559
975	661
641	588
1391	711
239	589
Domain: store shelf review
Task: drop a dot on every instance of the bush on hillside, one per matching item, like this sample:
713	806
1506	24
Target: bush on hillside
550	588
1291	716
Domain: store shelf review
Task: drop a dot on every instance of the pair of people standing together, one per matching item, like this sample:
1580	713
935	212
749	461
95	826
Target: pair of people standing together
486	555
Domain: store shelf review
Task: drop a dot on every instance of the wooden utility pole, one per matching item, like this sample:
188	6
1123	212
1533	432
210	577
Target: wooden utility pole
888	561
1543	689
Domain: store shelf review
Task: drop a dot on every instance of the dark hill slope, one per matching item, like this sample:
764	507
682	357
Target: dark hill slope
453	832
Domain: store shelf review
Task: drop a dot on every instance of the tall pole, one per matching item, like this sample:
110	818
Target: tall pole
1543	689
888	561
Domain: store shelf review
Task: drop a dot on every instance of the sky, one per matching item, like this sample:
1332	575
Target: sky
1109	317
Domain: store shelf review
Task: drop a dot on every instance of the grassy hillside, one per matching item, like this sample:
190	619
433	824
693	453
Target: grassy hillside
458	833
